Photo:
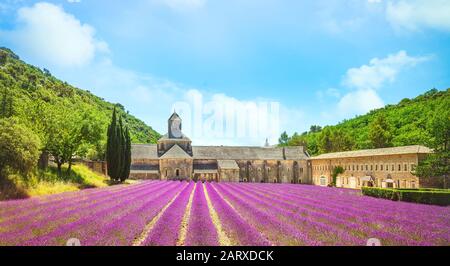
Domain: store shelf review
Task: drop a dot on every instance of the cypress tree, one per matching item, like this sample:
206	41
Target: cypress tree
111	152
127	156
120	149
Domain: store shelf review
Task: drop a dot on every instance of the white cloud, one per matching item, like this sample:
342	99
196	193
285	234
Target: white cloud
52	36
359	102
364	81
74	1
414	15
379	71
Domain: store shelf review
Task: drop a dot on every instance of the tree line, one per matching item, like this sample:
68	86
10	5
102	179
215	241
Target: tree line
42	117
424	120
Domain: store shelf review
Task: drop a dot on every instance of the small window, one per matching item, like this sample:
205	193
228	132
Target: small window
376	167
392	168
406	167
399	167
413	167
381	167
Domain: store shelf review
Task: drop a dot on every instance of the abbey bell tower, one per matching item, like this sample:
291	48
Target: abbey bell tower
174	136
174	126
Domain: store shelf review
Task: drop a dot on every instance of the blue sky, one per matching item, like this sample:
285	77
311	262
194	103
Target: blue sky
320	61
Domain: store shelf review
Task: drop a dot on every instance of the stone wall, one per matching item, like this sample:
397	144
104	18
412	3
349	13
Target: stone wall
175	168
380	168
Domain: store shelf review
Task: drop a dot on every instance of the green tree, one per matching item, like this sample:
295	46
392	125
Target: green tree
19	146
379	133
336	171
325	141
118	149
6	104
315	129
67	132
284	139
111	148
437	165
297	140
341	141
127	156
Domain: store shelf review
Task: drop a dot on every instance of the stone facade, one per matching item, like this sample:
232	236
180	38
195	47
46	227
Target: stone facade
388	167
174	158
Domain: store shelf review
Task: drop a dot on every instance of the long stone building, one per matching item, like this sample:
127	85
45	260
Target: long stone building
386	167
174	158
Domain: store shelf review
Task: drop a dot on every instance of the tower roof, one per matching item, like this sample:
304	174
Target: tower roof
174	116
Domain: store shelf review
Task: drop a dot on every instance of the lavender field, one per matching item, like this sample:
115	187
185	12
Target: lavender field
189	213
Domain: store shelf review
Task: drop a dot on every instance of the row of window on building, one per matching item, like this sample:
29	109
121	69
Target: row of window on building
355	181
370	167
243	169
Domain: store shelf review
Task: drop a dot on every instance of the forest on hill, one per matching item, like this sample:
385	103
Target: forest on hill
33	95
42	117
409	122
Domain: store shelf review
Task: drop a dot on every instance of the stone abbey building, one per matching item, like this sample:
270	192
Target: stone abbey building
174	158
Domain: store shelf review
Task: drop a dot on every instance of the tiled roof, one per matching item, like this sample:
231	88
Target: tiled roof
247	153
166	137
227	164
175	152
144	151
415	149
149	151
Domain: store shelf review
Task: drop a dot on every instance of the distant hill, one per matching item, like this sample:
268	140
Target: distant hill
409	123
27	84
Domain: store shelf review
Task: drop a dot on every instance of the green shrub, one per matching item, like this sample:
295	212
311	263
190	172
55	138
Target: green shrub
423	195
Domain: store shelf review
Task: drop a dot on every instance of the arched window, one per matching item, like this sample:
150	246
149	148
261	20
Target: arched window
323	181
177	172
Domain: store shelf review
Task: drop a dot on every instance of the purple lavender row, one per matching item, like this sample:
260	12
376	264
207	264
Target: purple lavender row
371	204
405	225
76	228
12	207
55	219
167	228
310	226
21	207
243	233
122	230
58	215
374	219
201	230
333	230
322	203
39	213
58	220
267	222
